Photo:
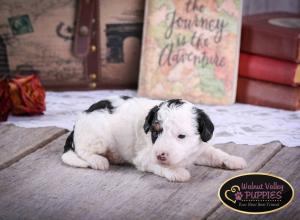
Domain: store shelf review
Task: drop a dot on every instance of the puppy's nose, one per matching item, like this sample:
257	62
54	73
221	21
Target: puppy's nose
162	156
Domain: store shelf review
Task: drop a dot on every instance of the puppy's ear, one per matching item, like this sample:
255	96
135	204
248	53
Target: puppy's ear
150	117
205	126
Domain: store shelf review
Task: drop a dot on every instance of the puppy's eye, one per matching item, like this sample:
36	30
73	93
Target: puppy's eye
181	136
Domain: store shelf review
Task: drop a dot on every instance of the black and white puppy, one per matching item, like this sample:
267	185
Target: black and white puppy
159	137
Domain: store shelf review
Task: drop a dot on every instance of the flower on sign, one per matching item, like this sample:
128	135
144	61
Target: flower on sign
238	196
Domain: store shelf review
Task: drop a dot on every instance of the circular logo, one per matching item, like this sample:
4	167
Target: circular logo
256	193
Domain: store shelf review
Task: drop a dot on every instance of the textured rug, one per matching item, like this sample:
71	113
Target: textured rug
239	123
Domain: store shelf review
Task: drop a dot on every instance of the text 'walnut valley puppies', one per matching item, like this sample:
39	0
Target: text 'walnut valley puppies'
159	137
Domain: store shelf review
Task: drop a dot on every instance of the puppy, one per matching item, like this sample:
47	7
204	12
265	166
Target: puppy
162	137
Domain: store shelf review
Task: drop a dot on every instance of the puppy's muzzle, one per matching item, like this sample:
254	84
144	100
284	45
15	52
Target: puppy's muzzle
162	157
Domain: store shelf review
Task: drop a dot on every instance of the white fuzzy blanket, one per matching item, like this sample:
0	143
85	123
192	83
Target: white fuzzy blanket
239	123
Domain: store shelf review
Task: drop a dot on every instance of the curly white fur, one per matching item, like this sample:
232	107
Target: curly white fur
116	134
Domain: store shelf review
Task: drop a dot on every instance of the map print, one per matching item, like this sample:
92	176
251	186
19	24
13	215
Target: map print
191	50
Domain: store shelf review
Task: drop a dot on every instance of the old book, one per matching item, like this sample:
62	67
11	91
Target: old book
268	94
269	69
274	34
191	50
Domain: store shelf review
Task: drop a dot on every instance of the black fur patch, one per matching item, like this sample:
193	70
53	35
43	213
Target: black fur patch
125	97
205	126
69	145
156	130
103	104
174	102
151	124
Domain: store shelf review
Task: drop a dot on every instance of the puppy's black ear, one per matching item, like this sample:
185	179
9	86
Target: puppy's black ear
205	126
150	117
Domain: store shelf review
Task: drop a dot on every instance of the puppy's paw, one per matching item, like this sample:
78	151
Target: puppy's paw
177	175
98	162
235	163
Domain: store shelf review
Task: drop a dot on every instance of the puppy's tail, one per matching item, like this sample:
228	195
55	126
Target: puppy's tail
69	156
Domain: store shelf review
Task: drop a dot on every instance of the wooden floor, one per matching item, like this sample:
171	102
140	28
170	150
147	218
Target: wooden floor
34	184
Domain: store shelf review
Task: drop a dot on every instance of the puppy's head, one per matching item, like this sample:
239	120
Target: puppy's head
177	129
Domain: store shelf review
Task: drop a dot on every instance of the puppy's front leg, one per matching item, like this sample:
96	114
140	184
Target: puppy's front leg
145	163
172	174
217	158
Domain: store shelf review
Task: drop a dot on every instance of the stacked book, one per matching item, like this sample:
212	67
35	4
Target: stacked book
269	69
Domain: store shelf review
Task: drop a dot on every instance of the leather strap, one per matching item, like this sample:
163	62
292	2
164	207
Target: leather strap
87	40
83	27
92	62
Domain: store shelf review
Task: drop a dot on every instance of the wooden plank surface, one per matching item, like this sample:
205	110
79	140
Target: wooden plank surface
39	186
17	142
285	164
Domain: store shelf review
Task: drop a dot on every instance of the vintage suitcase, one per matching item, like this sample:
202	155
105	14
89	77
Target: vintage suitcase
75	45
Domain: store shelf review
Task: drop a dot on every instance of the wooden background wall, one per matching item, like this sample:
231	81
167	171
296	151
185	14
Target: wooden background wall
260	6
